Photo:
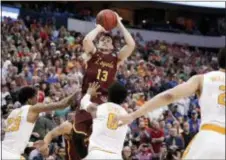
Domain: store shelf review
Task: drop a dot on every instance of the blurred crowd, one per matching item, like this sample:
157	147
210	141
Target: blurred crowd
183	21
50	60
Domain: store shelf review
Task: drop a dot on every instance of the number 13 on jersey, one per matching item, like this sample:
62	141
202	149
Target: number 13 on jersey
102	75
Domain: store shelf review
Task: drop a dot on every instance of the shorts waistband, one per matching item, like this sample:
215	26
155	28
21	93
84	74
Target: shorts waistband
212	127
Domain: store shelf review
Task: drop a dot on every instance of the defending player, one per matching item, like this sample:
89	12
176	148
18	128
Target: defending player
101	146
102	63
21	121
106	140
209	143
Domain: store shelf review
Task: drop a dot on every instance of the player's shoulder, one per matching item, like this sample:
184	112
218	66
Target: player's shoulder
109	106
16	112
196	79
215	73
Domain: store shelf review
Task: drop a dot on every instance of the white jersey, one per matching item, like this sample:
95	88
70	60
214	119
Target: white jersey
18	130
106	135
212	100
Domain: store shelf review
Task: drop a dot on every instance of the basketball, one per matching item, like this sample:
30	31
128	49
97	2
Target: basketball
107	19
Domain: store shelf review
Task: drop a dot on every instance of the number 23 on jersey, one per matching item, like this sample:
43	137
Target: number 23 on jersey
221	97
13	124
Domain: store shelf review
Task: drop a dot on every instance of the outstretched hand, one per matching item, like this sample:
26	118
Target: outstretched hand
92	90
118	18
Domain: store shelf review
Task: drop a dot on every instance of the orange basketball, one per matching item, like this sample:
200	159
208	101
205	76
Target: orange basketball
107	19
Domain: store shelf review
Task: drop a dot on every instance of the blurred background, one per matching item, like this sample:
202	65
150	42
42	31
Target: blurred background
41	45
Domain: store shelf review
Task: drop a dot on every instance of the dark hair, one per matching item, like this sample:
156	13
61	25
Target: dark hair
26	93
106	35
222	58
117	93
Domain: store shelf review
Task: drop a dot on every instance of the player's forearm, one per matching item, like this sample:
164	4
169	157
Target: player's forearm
65	102
160	100
183	90
48	138
41	107
85	102
127	36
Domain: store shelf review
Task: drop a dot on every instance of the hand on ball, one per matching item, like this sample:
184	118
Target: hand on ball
118	18
101	28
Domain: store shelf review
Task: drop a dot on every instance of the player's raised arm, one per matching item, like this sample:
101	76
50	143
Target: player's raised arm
41	107
86	103
183	90
127	50
88	44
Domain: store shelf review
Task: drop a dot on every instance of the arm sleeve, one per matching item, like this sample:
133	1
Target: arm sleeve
85	102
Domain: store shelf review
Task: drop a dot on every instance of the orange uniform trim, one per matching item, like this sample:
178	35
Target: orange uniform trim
212	127
206	127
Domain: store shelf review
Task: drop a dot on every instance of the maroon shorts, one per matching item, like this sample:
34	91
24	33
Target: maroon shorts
83	122
83	125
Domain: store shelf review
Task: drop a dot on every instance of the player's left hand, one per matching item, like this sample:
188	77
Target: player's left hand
92	90
118	17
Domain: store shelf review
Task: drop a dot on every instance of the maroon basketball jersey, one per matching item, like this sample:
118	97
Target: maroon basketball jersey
70	148
101	68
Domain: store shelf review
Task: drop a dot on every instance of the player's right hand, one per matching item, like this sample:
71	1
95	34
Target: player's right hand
42	147
119	19
101	28
92	90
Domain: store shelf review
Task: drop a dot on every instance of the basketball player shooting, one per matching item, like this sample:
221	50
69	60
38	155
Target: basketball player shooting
102	61
209	143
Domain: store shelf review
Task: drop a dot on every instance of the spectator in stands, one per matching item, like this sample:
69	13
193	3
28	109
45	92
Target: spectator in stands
144	152
157	138
194	122
127	153
143	134
186	134
174	142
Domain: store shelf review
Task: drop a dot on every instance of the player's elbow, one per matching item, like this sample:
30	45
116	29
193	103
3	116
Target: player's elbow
132	45
168	96
87	45
85	42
